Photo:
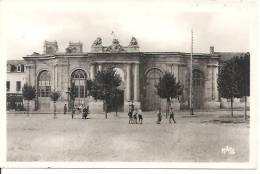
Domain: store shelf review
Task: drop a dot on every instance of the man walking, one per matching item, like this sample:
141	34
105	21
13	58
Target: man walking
65	109
159	115
172	117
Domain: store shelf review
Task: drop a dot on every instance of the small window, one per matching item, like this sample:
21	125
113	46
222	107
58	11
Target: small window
8	85
18	86
19	68
22	68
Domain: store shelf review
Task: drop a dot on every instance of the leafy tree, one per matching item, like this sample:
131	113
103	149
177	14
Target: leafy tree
54	97
227	84
168	88
28	94
243	77
104	86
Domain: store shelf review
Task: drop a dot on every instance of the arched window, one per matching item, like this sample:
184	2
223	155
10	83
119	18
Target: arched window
79	81
197	78
44	84
152	100
154	74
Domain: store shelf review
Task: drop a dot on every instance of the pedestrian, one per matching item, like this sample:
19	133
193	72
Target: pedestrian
172	116
135	116
130	115
140	116
85	112
65	109
80	108
159	115
73	112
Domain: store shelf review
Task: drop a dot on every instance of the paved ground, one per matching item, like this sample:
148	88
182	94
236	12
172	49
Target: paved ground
42	138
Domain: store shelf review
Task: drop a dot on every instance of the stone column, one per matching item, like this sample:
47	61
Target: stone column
136	83
92	71
28	72
128	82
211	90
100	67
176	72
215	70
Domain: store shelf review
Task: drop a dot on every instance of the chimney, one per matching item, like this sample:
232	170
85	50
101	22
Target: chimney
211	49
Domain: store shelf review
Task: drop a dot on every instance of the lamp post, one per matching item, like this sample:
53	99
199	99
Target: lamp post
70	102
191	54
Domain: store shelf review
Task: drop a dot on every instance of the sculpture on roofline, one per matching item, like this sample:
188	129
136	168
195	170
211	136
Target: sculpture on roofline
97	42
115	47
133	42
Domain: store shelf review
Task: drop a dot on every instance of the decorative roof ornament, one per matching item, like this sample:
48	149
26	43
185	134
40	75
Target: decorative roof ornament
133	42
115	47
97	42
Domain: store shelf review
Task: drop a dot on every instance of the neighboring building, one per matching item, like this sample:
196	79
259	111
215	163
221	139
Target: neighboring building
140	71
14	83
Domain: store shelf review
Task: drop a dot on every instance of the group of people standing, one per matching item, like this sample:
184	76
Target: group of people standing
84	111
133	114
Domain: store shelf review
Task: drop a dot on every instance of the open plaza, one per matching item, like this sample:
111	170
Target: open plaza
209	136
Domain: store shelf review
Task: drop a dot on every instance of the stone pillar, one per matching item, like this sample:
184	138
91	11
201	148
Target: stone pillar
136	83
28	72
211	90
128	82
92	71
215	70
176	71
100	67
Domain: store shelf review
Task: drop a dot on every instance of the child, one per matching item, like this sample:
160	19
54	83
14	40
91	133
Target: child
140	116
130	115
135	116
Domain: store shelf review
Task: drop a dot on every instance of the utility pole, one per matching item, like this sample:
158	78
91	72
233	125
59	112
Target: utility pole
191	54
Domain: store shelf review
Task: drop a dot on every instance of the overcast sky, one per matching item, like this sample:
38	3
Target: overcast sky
157	25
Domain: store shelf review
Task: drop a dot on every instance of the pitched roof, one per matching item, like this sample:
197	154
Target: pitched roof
15	62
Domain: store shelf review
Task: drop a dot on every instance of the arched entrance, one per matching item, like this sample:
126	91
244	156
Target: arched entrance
152	100
117	104
43	90
79	83
198	88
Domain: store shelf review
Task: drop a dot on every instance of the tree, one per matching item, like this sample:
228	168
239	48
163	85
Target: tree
227	84
54	97
168	88
243	77
28	94
72	95
104	86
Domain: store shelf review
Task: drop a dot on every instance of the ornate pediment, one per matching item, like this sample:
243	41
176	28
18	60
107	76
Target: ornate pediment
115	47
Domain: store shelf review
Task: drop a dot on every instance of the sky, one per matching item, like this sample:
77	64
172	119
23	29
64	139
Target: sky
157	25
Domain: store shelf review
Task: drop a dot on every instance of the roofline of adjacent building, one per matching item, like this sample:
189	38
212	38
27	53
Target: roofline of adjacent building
43	56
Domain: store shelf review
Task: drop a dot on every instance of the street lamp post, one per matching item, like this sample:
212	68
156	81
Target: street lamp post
70	102
191	54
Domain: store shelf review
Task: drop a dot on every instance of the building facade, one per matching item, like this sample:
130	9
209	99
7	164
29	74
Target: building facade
140	71
14	84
